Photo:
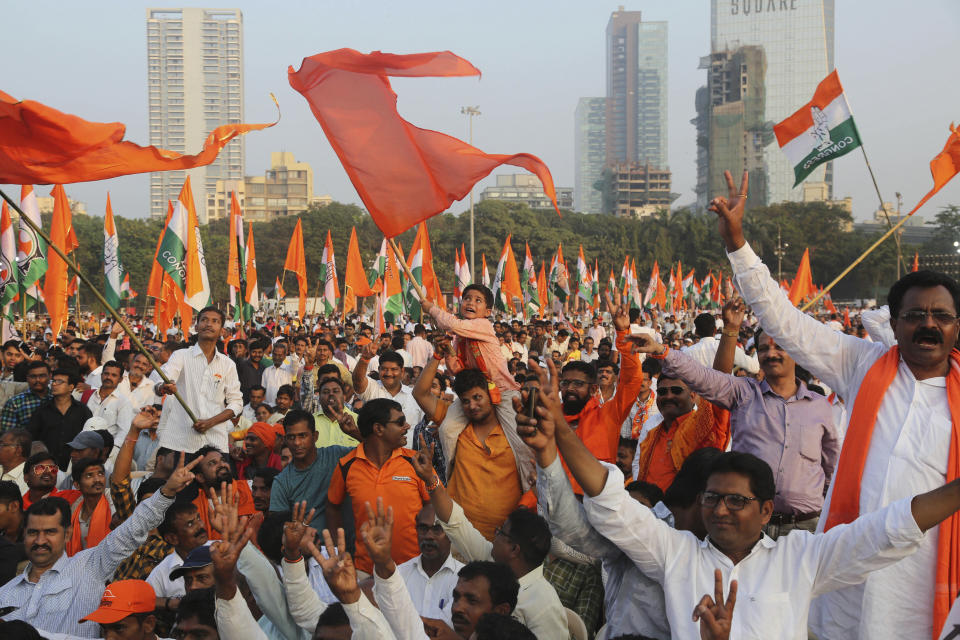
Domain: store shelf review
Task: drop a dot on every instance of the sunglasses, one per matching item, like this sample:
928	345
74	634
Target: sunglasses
44	468
675	391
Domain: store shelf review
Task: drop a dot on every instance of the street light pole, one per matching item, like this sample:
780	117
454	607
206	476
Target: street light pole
470	112
780	251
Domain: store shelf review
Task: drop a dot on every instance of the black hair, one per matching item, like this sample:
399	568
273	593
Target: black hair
333	616
746	464
924	280
633	314
648	490
212	309
531	533
396	343
50	506
418	329
39	456
286	390
199	604
691	478
267	473
328	369
469	379
629	443
295	416
21	439
107	438
324	381
80	466
114	364
391	356
257	387
496	626
149	485
173	512
585	368
270	536
503	583
483	290
375	411
15	344
93	350
705	325
18	630
605	363
37	364
652	367
10	492
441	380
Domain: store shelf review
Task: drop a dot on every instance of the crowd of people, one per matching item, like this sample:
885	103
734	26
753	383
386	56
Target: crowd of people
746	472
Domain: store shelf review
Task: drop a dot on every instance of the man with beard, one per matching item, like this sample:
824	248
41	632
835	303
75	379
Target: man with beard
182	529
607	372
40	473
685	426
258	448
431	576
261	487
596	424
213	473
207	381
90	520
18	410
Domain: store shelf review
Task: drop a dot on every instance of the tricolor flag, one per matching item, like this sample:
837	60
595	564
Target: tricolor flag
656	293
111	259
31	248
278	289
506	285
464	277
821	131
391	292
485	273
528	282
9	278
584	278
126	291
559	282
236	262
328	275
252	296
378	266
636	300
181	252
596	284
457	288
624	274
421	266
612	284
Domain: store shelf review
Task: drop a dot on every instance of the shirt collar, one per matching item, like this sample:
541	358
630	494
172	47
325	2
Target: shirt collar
361	453
527	580
765	542
450	564
58	566
803	392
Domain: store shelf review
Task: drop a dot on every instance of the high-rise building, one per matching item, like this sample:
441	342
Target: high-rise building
797	38
636	102
590	149
194	84
640	190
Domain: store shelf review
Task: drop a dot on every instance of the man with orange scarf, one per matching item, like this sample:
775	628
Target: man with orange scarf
90	522
902	439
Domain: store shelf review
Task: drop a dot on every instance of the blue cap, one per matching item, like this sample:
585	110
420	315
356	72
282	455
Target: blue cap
199	557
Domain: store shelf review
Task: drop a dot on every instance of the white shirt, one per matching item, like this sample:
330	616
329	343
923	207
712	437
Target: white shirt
908	455
776	580
208	388
93	378
589	357
16	475
274	377
159	577
115	410
411	409
420	351
140	396
431	595
706	350
598	333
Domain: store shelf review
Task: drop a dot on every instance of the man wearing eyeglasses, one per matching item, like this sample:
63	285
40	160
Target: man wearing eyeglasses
902	435
431	576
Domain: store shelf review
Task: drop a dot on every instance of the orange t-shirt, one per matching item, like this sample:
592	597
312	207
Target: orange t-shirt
399	486
484	479
245	506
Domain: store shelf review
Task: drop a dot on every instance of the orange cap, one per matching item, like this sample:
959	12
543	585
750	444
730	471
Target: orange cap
363	340
124	598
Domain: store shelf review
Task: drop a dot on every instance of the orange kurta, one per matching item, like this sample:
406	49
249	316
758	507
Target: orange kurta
663	451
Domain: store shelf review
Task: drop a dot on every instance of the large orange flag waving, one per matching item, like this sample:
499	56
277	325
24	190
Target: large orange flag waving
355	283
297	262
41	145
403	174
802	287
55	281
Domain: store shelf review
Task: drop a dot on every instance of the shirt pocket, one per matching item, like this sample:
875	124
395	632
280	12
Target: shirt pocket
930	441
758	613
811	443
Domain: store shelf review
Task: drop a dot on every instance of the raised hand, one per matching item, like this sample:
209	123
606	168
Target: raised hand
226	552
370	349
338	569
295	530
715	614
423	462
310	355
733	311
180	478
620	313
223	508
147	418
377	535
645	343
729	211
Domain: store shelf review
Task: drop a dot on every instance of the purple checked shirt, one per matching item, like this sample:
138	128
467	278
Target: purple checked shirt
795	436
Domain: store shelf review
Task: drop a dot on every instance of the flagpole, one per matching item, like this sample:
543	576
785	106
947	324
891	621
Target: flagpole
99	296
883	207
406	269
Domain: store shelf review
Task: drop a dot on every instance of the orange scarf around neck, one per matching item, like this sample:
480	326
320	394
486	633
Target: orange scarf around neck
98	530
845	502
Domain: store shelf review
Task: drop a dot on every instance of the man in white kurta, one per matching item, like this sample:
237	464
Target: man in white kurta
907	455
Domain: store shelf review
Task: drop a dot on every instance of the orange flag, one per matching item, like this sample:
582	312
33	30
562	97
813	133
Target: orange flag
802	286
355	283
542	291
155	284
944	166
55	281
297	262
41	145
916	261
409	174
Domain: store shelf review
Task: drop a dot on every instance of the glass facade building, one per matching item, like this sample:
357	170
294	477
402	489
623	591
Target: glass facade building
589	148
797	38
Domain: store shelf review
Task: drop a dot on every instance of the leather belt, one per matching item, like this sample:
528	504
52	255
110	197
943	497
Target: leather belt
792	518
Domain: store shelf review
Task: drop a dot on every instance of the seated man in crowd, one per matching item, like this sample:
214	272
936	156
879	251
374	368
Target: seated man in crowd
258	448
91	515
136	386
331	402
40	472
14	451
284	402
431	577
11	530
183	531
261	486
18	410
213	473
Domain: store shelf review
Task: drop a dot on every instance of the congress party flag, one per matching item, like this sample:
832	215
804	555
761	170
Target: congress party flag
31	248
506	284
9	277
181	251
328	276
252	297
111	259
126	291
485	273
820	131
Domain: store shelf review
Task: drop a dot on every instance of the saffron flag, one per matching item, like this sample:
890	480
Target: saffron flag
506	284
543	291
41	145
9	277
31	248
485	273
278	288
181	252
916	261
391	294
355	283
252	296
236	260
944	166
55	281
328	276
297	262
820	131
802	287
409	174
111	259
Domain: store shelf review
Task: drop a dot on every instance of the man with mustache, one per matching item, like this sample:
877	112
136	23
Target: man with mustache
40	472
431	576
902	435
213	473
777	419
183	530
90	522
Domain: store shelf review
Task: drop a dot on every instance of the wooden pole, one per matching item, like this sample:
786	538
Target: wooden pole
99	296
883	208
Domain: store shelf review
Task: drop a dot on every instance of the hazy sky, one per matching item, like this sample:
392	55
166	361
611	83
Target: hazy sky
897	61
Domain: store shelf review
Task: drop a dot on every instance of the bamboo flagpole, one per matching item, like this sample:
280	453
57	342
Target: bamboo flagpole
99	296
403	263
